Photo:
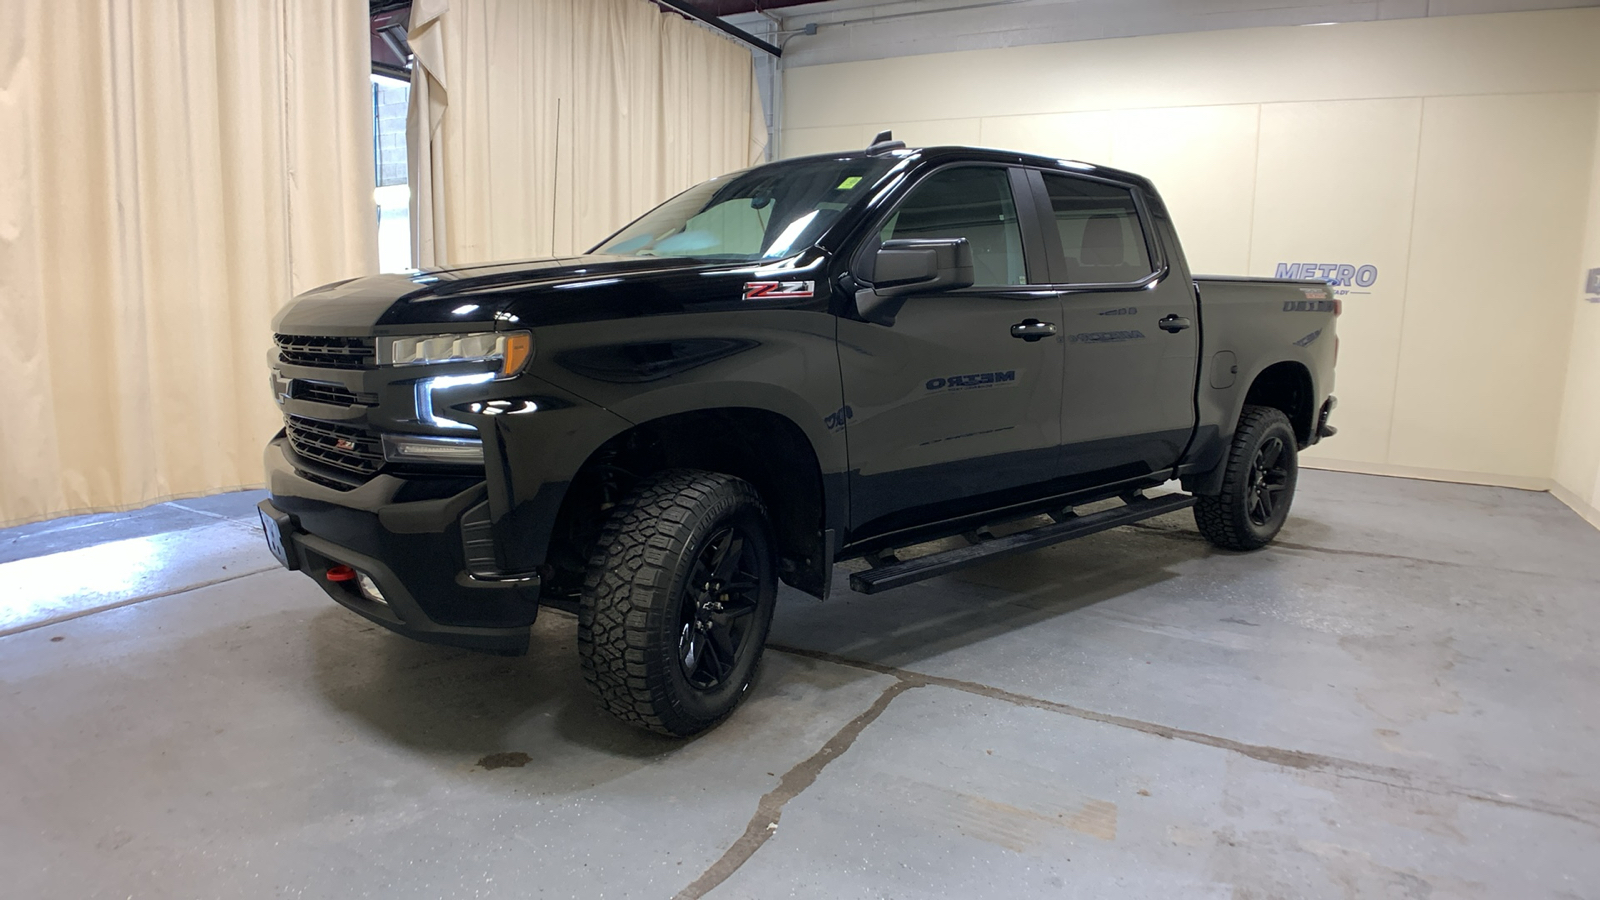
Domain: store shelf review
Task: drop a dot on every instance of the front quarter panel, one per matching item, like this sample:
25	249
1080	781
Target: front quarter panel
778	359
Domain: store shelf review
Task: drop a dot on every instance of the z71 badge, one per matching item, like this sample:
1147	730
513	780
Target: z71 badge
778	290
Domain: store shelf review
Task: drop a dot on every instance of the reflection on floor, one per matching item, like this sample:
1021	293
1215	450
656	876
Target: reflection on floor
1397	699
65	568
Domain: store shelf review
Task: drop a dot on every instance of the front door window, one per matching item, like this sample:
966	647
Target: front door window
972	202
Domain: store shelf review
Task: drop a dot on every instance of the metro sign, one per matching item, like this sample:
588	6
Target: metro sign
1335	274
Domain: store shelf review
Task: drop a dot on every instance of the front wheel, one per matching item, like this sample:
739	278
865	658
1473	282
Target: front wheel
677	600
1257	485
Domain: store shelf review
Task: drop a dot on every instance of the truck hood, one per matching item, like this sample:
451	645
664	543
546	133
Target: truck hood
530	293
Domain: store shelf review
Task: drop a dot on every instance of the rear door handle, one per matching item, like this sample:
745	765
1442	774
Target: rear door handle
1174	323
1032	330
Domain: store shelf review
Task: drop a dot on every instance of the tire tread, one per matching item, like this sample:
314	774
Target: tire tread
1221	518
631	565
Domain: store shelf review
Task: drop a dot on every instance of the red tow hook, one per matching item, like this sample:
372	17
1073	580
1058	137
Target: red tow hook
341	573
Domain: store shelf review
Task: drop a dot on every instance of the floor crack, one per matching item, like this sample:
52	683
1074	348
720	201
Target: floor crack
1180	534
1340	767
770	808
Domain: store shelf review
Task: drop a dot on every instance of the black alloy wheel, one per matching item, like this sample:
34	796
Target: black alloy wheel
1258	480
718	607
676	601
1269	478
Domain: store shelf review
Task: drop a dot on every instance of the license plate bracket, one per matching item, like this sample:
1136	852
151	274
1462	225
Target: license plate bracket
278	527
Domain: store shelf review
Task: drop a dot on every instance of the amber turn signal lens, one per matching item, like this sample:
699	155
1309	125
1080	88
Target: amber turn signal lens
518	348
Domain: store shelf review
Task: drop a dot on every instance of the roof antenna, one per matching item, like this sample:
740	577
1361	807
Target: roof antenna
884	143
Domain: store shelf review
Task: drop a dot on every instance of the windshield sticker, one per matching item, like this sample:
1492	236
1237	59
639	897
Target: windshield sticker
848	183
778	290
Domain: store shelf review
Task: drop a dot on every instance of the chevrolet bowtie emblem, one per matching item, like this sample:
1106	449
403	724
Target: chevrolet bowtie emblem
280	387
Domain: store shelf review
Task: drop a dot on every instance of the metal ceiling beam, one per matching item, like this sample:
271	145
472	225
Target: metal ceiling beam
737	7
390	54
695	12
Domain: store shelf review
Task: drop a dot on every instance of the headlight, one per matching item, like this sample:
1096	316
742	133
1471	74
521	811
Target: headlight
511	350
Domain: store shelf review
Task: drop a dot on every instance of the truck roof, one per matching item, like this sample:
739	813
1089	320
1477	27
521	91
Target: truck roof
961	153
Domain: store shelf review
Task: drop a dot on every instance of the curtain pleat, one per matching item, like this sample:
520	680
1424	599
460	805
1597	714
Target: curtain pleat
538	127
171	173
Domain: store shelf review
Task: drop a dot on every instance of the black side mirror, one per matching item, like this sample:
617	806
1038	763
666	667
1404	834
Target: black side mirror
905	267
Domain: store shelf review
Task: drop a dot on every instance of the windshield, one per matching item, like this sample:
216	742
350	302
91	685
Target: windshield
765	213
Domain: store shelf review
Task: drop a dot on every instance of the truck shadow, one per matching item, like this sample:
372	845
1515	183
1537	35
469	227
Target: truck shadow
903	627
477	713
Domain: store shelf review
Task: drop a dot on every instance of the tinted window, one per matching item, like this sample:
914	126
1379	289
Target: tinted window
765	213
1100	233
973	202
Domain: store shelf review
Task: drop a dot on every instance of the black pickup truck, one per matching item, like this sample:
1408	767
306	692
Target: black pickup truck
827	358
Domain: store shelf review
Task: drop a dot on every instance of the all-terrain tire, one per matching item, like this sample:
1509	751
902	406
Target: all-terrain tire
638	606
1234	519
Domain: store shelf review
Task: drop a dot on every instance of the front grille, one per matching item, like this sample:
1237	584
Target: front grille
326	352
340	446
320	392
325	481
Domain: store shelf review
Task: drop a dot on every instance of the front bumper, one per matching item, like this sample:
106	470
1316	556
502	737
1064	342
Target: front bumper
405	533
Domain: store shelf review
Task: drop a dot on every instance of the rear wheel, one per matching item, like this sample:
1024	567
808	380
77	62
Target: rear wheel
1257	485
677	601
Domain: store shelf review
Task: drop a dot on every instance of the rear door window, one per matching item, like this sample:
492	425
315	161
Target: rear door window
1101	235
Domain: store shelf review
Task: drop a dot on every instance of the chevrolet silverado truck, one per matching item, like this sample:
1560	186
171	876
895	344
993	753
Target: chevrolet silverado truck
822	359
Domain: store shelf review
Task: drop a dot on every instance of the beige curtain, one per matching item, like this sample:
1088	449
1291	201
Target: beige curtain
540	126
171	172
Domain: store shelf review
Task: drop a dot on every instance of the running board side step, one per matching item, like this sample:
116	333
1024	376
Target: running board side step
899	574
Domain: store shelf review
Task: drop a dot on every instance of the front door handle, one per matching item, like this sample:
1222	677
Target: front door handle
1174	323
1032	330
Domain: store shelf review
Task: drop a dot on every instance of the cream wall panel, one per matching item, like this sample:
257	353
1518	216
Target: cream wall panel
1203	161
1526	52
806	141
1495	237
1335	184
1577	465
1083	136
1577	469
928	134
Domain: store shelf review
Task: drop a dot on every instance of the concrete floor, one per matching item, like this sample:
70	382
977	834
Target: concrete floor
1399	699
